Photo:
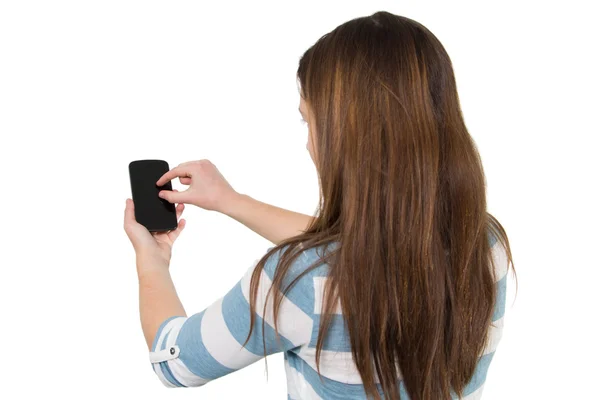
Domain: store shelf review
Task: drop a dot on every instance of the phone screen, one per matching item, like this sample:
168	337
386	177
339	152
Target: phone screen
156	214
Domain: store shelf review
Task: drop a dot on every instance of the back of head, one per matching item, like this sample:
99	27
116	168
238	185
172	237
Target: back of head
403	192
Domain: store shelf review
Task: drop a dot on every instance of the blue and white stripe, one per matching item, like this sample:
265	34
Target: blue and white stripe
191	351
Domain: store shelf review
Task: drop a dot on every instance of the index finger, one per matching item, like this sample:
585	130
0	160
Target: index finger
176	172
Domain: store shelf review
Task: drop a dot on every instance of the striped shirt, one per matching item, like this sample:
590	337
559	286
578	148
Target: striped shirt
191	351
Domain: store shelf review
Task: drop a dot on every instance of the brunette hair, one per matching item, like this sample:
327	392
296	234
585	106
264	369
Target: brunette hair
403	191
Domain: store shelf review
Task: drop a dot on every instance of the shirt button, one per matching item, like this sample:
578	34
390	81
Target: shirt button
172	351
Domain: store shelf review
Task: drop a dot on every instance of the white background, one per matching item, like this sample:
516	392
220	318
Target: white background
88	86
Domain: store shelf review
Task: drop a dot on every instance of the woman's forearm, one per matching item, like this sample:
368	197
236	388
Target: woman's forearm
273	223
158	297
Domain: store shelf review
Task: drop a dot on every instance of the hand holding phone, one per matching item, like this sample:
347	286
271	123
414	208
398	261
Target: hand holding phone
156	214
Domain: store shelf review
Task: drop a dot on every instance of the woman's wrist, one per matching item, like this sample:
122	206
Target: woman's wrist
231	204
150	264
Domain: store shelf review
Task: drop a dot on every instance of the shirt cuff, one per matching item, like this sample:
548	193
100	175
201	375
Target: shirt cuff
165	352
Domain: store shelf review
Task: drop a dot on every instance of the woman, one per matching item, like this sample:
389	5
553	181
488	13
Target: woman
396	288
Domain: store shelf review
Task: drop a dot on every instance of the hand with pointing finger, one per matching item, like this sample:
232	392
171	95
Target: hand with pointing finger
208	189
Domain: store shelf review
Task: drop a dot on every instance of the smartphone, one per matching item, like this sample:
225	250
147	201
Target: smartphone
156	214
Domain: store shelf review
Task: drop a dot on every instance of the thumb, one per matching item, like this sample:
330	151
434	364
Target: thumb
174	196
129	212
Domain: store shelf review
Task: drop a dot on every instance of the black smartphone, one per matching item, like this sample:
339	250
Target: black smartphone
156	214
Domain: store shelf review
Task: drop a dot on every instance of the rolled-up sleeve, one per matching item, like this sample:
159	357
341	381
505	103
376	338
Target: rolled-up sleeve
191	351
165	355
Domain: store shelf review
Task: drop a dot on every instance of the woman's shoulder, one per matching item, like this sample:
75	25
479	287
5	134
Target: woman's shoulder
318	255
308	265
305	257
299	281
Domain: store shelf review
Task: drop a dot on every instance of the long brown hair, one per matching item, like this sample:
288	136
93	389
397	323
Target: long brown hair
402	189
